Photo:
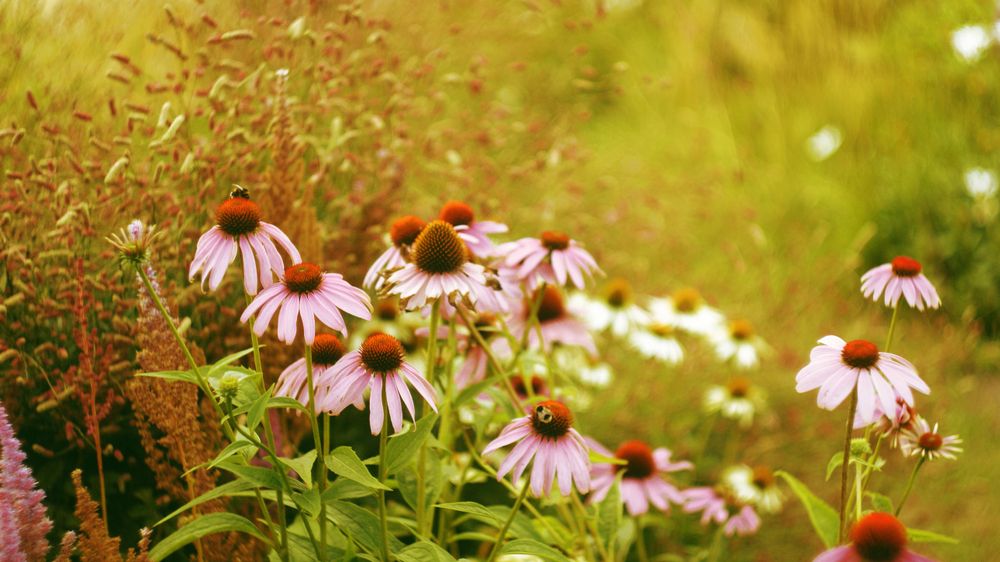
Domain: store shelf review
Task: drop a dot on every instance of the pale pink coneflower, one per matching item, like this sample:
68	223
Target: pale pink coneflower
890	426
922	441
836	367
738	343
658	341
739	520
402	234
379	364
643	478
306	291
616	312
558	450
900	278
558	324
755	486
240	230
474	233
687	310
876	537
439	268
292	383
553	258
739	400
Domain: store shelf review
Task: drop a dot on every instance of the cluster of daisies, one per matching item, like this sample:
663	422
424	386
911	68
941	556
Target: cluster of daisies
879	389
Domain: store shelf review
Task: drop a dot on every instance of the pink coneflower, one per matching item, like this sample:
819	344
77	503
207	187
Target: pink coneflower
402	233
553	258
891	426
715	507
307	292
642	479
558	324
439	268
240	230
900	277
379	363
616	312
327	350
922	441
474	233
547	435
876	537
836	367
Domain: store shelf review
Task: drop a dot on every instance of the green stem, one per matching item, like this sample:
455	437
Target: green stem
506	526
383	469
909	485
318	443
478	336
892	328
589	525
640	540
847	461
716	550
533	319
857	491
422	516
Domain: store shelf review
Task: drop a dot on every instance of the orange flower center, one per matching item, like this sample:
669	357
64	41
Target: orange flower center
438	249
382	353
879	537
387	310
739	387
741	330
618	292
237	216
551	419
905	266
554	240
457	213
303	277
639	457
686	299
327	349
763	478
860	354
405	230
930	441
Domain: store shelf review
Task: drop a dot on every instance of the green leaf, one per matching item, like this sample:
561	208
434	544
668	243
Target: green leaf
472	391
836	461
184	376
424	551
223	364
597	458
402	449
825	520
609	515
479	510
534	548
303	466
202	526
307	501
230	450
227	489
344	462
262	477
433	482
285	402
360	524
880	502
257	409
344	489
917	535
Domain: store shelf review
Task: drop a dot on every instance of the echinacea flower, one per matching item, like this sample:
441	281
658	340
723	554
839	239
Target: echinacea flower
687	310
643	478
756	486
922	441
239	230
473	232
558	324
402	234
558	450
876	537
305	291
738	343
658	341
616	311
552	258
292	383
901	277
439	268
836	367
379	365
723	510
739	400
890	425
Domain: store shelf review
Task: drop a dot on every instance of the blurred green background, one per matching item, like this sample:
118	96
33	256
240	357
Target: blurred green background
678	150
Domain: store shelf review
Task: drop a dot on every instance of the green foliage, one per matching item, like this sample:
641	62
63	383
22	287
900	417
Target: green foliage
202	526
824	519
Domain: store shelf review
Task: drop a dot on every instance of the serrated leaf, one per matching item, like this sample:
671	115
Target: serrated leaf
424	551
836	461
825	520
609	515
202	526
918	535
303	466
344	462
534	548
402	449
227	489
880	502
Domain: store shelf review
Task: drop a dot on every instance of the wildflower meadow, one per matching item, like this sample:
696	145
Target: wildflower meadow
579	280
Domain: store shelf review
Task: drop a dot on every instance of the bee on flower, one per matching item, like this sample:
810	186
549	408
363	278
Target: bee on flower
615	312
739	400
687	310
737	342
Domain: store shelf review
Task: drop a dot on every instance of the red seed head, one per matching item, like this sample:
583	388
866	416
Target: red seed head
860	354
554	240
930	441
406	229
382	353
551	419
237	216
905	266
552	307
438	249
879	537
327	349
457	213
639	457
303	277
